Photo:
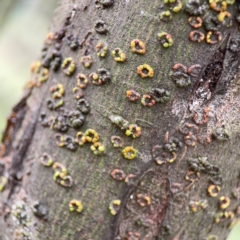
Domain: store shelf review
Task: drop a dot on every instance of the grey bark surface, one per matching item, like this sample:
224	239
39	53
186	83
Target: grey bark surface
170	214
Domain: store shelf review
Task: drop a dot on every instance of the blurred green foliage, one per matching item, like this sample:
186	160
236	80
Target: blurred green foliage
23	26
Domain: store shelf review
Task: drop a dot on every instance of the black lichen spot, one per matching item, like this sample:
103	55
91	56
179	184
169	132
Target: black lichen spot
101	27
221	134
181	79
2	168
53	104
201	164
234	45
106	3
195	8
83	105
76	119
45	122
102	76
72	42
160	94
173	145
211	23
60	123
40	210
51	59
70	143
60	34
66	141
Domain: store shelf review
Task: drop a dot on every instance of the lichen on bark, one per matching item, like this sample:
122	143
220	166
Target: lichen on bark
164	194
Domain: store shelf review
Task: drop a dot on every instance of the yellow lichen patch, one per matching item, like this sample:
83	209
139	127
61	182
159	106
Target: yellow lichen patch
138	46
129	153
213	190
224	202
68	66
3	182
145	71
114	206
75	205
119	55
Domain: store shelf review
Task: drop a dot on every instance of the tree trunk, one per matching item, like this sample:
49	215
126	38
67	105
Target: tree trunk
183	182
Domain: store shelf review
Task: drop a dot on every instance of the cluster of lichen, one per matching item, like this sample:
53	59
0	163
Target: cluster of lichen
181	75
91	136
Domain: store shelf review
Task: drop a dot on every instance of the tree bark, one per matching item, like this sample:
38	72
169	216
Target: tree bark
188	145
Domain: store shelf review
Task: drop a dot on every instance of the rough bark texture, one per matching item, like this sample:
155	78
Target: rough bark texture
159	202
